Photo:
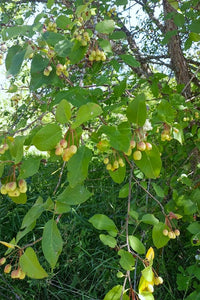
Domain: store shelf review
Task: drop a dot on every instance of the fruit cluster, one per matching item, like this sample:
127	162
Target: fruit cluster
51	53
4	148
62	70
13	188
82	36
52	26
112	166
97	55
140	146
171	234
112	11
66	152
15	274
47	71
165	135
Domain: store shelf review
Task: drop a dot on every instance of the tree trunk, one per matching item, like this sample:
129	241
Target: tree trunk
178	61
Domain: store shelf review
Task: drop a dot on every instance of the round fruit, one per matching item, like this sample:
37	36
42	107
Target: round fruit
171	234
132	144
4	190
59	151
141	146
137	155
11	186
73	149
7	268
177	232
165	232
2	261
106	160
148	146
63	143
116	164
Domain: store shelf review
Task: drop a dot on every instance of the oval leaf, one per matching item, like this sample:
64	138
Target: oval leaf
108	240
106	26
136	244
51	242
159	239
102	222
137	111
127	261
151	163
86	112
150	219
47	137
63	112
30	264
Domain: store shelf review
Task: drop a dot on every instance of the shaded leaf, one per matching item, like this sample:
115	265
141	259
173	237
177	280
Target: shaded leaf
102	222
47	137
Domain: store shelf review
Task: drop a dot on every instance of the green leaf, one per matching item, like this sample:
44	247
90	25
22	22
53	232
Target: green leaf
108	240
195	26
150	219
102	222
124	191
33	214
22	233
12	32
105	45
73	196
178	135
77	53
119	136
106	26
137	111
50	3
16	62
64	48
16	148
51	242
179	19
63	22
115	294
127	261
130	60
118	35
118	175
173	3
159	239
136	244
151	163
47	137
86	112
147	273
52	38
61	208
195	37
119	89
63	112
165	112
159	191
29	167
30	264
194	227
78	166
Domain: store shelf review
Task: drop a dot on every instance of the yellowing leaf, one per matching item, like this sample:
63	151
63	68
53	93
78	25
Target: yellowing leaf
7	244
150	254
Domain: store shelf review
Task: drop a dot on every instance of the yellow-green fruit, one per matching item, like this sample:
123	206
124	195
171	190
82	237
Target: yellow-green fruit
141	146
4	190
5	146
109	167
2	150
11	186
22	275
22	186
2	261
66	154
132	144
63	143
14	193
177	232
170	234
7	268
106	160
137	155
116	164
150	288
73	149
158	280
165	232
59	151
148	146
121	162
